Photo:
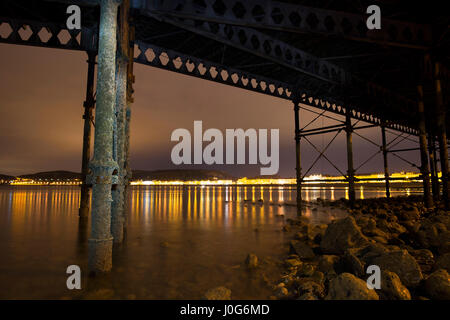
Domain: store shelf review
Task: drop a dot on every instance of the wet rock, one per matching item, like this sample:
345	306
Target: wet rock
306	270
281	291
292	263
348	287
432	234
218	293
286	228
392	287
401	263
443	262
352	264
342	234
301	249
251	261
308	296
409	214
424	258
390	227
437	285
309	286
328	263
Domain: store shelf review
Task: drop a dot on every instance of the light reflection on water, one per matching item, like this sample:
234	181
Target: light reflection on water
181	240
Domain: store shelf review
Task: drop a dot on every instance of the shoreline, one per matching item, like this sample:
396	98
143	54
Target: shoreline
409	243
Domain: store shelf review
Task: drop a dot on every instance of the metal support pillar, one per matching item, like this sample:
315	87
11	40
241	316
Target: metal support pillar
88	108
385	160
130	91
428	200
118	190
433	167
442	135
298	167
117	209
104	169
350	169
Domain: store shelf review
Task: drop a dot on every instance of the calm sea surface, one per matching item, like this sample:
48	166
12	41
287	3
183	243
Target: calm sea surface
180	241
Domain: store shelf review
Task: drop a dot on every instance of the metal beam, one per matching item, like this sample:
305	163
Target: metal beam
296	18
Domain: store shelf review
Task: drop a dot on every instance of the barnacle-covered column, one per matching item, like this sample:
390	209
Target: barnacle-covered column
424	169
104	169
88	108
118	189
298	167
385	159
350	170
123	59
442	135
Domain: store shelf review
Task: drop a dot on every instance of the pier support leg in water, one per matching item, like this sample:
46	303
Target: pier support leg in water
88	108
442	135
385	160
433	167
298	167
118	189
130	91
122	60
350	170
425	170
104	169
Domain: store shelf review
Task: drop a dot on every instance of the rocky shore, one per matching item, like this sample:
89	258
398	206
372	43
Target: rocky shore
409	243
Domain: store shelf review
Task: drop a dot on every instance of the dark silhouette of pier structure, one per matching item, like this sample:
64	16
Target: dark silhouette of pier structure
318	55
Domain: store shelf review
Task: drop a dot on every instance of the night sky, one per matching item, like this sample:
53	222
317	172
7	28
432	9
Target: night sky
42	92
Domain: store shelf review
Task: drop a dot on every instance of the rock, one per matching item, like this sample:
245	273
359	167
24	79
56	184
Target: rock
437	285
281	292
443	262
251	261
342	234
409	214
308	296
348	287
292	263
401	263
392	287
352	264
301	249
306	270
311	287
432	234
286	228
328	263
219	293
424	258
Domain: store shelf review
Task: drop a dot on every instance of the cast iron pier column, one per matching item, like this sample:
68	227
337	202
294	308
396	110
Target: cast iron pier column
385	160
428	200
88	108
103	167
350	170
442	136
298	167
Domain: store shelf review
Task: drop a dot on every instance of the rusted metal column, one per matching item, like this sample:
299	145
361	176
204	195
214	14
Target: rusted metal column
428	200
298	167
88	108
442	135
350	169
433	167
103	167
122	59
130	91
385	160
118	189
